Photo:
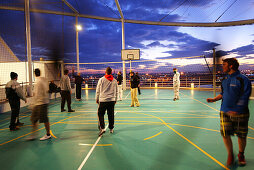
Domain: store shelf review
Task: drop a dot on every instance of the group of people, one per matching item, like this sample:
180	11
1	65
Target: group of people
234	112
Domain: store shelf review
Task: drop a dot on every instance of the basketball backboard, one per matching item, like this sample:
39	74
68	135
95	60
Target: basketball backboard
130	54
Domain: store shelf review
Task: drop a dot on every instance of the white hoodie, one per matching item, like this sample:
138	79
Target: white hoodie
41	95
106	91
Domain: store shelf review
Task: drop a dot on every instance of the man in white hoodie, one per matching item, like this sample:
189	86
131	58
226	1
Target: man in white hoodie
176	84
40	105
106	97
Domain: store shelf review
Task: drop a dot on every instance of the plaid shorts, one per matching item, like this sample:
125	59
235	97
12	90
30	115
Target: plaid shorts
230	125
40	112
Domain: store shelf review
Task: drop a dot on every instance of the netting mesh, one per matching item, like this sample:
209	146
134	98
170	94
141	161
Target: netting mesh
53	37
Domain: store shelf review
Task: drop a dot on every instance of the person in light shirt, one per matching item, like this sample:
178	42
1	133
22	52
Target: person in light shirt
40	106
176	84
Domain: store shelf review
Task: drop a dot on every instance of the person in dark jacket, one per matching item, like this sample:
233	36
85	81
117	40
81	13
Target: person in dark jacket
234	112
14	93
139	92
78	81
119	80
134	89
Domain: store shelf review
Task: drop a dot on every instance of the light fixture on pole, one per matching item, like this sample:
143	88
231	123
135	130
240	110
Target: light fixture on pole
78	27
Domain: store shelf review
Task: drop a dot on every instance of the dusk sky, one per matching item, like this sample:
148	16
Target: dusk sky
100	41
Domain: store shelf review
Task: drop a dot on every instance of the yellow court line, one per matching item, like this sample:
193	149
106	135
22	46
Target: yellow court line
52	134
153	136
34	131
209	106
251	128
115	123
207	154
194	127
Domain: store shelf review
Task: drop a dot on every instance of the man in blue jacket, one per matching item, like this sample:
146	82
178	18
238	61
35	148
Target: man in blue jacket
234	112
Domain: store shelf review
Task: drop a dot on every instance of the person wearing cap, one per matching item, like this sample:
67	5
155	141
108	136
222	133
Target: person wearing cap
119	85
176	84
14	93
106	96
134	89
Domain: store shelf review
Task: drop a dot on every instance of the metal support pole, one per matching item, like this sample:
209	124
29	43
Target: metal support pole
62	68
77	45
214	74
28	47
123	47
130	65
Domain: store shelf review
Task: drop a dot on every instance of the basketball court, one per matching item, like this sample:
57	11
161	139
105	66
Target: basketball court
160	134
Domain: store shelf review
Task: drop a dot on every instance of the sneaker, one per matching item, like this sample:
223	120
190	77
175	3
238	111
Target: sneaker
131	105
63	110
230	161
14	129
71	110
241	160
111	131
45	137
138	105
174	99
19	124
101	132
31	138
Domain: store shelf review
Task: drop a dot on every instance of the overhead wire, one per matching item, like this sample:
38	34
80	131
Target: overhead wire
217	8
186	8
111	10
173	10
77	5
225	11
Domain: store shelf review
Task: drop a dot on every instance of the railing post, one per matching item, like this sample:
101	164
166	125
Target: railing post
199	82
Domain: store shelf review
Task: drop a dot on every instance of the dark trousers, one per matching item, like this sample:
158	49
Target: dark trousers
78	91
15	108
66	96
109	106
139	92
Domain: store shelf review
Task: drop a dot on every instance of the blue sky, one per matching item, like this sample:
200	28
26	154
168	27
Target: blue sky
100	41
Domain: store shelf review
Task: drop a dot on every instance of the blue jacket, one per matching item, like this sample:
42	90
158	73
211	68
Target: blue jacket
236	90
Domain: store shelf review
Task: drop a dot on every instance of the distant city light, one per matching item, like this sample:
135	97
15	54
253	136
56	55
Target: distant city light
182	73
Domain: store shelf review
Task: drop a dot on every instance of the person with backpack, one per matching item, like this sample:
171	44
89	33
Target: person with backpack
14	93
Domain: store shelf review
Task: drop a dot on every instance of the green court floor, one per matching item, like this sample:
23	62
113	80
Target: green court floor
160	134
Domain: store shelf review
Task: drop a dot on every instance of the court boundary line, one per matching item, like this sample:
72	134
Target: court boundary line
1	144
208	106
154	135
203	151
92	149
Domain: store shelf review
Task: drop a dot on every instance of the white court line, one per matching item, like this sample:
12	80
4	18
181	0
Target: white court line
92	149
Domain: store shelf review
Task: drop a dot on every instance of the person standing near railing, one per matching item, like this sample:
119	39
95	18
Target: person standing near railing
134	89
14	93
139	92
65	85
176	84
119	85
78	81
